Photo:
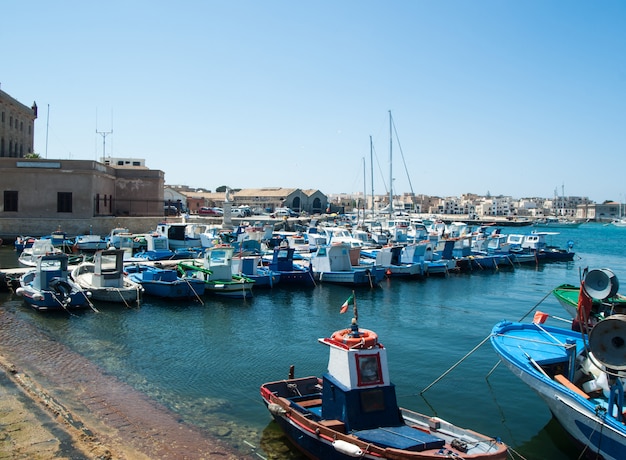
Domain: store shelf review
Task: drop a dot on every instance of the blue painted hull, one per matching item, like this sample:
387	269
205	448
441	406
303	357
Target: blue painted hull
174	290
524	348
357	277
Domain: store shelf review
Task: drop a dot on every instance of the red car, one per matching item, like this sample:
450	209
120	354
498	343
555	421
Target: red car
209	211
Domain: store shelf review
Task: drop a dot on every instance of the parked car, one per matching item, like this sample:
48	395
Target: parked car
284	212
245	210
206	211
170	211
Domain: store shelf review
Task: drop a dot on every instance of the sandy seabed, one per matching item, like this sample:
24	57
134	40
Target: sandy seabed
55	404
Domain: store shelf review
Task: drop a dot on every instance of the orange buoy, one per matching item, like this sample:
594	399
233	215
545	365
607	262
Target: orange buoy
364	339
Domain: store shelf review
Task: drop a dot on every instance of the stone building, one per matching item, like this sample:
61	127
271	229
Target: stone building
263	199
17	127
35	188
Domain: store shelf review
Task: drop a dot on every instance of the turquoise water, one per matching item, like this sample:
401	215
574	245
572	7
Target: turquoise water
206	362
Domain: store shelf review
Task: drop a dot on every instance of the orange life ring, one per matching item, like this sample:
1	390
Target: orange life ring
366	339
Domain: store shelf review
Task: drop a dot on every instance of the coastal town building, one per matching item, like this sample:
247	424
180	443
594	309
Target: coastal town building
34	188
17	127
310	201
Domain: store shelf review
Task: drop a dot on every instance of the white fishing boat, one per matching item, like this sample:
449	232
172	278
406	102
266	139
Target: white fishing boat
105	278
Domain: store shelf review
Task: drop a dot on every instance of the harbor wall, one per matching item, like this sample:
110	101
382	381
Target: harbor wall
11	228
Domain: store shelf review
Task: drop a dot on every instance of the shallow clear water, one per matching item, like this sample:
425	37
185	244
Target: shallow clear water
206	362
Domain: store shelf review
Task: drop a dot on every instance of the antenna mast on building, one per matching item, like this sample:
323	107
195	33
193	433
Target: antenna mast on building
104	135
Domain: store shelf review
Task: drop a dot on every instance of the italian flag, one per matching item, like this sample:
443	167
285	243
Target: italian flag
347	303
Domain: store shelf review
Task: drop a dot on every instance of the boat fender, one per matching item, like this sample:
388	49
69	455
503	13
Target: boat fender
459	445
347	448
19	291
276	409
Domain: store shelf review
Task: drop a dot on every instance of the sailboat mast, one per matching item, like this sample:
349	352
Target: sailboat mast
364	191
372	170
390	168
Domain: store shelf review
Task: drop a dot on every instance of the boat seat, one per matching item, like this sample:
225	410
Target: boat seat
401	437
310	403
566	383
335	425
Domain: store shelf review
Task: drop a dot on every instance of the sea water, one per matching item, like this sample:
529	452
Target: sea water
206	360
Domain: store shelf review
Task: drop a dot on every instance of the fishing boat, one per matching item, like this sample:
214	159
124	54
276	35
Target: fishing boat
120	237
557	222
30	255
291	273
158	248
22	242
580	377
391	259
216	273
49	287
252	267
333	263
351	411
89	242
105	278
180	235
601	286
164	283
536	244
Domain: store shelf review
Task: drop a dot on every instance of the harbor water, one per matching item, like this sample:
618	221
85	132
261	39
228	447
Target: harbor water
206	360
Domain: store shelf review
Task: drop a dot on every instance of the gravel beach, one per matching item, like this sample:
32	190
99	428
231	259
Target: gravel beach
56	404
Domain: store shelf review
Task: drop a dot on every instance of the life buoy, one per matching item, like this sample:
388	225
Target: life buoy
366	339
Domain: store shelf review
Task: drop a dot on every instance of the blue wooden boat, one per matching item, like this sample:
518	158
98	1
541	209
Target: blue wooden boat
164	283
158	248
579	377
291	273
352	411
537	245
253	268
49	287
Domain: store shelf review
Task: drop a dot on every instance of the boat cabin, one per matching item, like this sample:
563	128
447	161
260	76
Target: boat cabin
49	268
218	259
108	268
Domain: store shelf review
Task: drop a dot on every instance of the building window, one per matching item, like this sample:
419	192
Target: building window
10	201
64	202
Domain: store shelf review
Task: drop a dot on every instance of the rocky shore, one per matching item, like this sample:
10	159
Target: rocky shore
55	404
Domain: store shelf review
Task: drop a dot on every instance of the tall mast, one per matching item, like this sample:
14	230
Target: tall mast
372	170
364	192
390	168
47	125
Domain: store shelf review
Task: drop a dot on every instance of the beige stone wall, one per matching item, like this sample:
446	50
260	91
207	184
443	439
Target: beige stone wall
17	127
97	189
12	228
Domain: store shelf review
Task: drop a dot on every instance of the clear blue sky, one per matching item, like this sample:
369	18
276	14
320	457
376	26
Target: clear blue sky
517	98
